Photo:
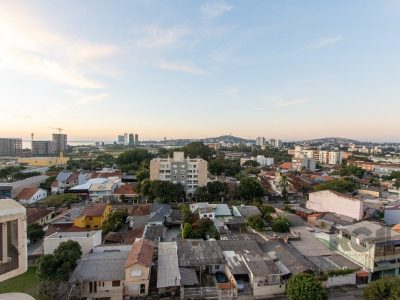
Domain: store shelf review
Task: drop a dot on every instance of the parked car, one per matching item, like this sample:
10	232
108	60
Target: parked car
221	277
240	285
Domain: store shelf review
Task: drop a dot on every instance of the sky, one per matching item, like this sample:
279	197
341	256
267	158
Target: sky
282	69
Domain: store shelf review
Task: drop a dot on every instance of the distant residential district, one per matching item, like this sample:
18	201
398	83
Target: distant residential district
218	218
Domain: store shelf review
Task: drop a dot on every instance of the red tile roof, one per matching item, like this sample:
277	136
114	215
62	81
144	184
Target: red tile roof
141	253
140	210
35	214
130	236
94	210
125	189
72	177
286	165
26	193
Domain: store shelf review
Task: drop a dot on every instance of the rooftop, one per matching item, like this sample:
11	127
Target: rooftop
10	207
34	214
168	273
73	234
371	232
199	253
26	193
104	266
94	210
141	253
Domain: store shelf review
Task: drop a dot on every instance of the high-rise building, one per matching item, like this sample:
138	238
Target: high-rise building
13	238
136	139
60	143
10	147
43	148
126	140
120	139
190	172
260	141
131	139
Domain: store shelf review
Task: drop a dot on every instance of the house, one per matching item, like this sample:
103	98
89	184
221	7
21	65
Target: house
375	247
101	192
246	211
31	195
13	253
125	193
93	216
67	180
100	275
138	268
265	278
211	211
41	216
334	202
65	221
204	256
86	239
168	273
159	213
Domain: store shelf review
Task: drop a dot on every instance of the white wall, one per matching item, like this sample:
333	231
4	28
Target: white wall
327	201
349	279
87	243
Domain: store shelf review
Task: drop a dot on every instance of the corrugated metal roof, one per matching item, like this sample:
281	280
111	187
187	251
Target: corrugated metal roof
168	274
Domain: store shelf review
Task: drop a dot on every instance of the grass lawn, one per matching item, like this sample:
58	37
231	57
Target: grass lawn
27	283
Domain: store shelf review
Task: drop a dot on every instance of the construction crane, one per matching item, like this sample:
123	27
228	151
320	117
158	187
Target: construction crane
59	129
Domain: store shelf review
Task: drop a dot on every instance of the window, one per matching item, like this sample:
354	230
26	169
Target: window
142	289
116	283
216	267
136	272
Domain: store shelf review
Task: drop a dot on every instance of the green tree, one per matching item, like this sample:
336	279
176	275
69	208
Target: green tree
35	232
201	194
348	170
187	231
198	149
280	224
217	189
305	287
59	200
386	288
256	222
267	209
143	174
186	214
250	188
222	166
131	159
343	185
284	185
58	266
114	222
251	163
47	184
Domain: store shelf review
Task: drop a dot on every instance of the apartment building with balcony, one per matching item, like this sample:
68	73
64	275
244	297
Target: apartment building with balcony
374	246
190	172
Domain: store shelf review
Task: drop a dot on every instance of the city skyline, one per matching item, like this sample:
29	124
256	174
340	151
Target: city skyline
199	69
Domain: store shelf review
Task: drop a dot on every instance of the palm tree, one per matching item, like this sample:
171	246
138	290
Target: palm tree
284	184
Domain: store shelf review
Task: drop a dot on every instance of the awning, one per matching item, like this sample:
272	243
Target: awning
362	274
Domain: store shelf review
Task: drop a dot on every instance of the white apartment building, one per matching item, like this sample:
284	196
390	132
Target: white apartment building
305	162
320	156
13	245
190	172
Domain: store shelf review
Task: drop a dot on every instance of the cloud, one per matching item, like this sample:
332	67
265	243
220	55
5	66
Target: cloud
156	37
230	91
180	67
82	99
325	41
30	47
215	9
292	102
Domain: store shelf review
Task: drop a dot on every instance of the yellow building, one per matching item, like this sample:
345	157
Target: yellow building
43	161
93	217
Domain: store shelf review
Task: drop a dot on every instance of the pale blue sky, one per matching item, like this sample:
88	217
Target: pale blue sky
283	69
